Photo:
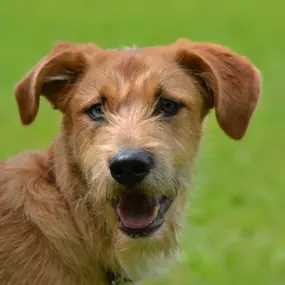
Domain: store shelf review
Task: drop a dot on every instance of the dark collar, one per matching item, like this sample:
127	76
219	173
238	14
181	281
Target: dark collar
114	278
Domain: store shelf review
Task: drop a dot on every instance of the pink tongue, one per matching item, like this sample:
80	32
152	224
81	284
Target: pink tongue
136	223
136	211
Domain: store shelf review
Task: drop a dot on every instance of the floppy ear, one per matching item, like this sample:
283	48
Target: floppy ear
52	77
230	82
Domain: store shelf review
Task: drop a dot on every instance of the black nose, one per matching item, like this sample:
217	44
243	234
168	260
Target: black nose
130	167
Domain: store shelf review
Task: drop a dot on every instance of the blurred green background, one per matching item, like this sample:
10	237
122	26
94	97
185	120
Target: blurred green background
236	230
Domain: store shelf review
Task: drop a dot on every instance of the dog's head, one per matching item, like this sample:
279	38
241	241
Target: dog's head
132	122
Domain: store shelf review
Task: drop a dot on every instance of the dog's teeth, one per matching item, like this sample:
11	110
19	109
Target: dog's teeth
156	209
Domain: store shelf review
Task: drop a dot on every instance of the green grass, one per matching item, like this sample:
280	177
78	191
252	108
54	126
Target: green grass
236	231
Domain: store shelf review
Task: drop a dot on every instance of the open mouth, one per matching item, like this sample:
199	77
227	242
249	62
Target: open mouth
140	215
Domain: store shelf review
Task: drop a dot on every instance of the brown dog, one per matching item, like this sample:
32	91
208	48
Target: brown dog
105	204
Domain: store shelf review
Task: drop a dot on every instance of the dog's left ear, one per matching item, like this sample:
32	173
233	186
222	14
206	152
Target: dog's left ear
230	82
52	77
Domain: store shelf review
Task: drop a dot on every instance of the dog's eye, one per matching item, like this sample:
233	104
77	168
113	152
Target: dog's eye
167	107
95	112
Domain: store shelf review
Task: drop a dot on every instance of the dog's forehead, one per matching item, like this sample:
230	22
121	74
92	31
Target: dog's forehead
132	74
130	62
123	72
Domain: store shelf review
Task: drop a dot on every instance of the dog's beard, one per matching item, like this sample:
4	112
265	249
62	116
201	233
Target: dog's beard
138	211
163	244
148	257
138	206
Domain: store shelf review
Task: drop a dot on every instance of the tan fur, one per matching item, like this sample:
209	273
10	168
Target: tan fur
57	226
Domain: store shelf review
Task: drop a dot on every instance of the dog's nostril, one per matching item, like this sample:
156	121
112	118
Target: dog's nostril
130	167
117	170
139	168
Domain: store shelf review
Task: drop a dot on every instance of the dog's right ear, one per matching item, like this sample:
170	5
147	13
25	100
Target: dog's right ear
52	77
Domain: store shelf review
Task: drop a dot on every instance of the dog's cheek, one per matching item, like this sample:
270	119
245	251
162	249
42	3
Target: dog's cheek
183	134
87	152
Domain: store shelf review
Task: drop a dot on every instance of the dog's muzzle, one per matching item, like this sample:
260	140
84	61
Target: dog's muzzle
139	214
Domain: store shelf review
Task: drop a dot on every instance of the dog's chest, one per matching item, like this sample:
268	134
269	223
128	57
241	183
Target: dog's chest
146	267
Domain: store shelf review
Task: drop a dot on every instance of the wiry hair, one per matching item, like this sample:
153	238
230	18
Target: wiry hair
58	225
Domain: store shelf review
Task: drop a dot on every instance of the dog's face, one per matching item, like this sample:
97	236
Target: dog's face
136	124
132	123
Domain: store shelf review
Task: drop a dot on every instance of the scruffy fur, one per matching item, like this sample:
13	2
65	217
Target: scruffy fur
57	225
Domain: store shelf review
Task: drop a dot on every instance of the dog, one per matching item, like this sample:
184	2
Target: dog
105	203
